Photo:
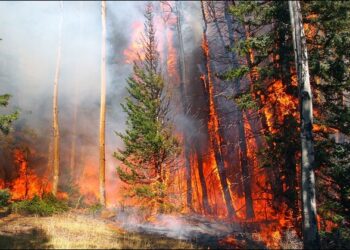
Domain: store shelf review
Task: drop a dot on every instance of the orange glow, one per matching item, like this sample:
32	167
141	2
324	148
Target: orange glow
130	54
214	137
88	183
172	56
27	184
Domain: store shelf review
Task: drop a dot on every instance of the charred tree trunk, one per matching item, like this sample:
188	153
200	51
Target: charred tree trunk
215	141
245	33
189	192
55	124
274	174
223	177
102	171
182	69
310	230
283	65
241	132
205	201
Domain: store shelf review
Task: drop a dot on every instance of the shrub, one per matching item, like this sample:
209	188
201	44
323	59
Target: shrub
95	208
338	238
45	206
4	197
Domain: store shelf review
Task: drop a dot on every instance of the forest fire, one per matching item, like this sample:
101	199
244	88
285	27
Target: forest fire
90	190
215	123
27	184
133	52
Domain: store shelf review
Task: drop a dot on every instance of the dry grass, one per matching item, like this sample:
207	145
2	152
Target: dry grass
72	230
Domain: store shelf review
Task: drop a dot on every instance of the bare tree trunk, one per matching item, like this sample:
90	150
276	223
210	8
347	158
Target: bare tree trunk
55	125
310	230
102	172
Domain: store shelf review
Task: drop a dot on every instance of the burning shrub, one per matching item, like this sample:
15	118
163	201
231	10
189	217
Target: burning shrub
46	206
4	197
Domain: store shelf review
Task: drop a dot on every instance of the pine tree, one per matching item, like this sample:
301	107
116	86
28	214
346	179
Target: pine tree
6	120
328	39
149	145
263	40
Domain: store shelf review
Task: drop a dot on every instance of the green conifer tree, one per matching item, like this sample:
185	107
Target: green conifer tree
149	144
6	120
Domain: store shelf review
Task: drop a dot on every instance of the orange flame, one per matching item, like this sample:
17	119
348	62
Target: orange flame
27	184
135	46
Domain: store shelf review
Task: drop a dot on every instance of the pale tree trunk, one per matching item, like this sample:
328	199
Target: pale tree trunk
310	229
55	125
102	172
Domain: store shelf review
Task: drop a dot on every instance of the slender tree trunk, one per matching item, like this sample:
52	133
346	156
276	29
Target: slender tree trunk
310	229
72	160
283	65
241	132
102	172
182	70
55	125
215	142
205	201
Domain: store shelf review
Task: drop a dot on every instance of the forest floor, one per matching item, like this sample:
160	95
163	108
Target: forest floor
76	229
73	230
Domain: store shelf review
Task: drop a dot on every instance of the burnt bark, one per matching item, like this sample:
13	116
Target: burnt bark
240	124
205	201
214	140
283	65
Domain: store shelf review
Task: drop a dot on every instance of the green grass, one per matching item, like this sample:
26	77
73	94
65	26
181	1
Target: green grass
45	206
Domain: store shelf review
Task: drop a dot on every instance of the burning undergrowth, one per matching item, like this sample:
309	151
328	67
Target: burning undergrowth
201	230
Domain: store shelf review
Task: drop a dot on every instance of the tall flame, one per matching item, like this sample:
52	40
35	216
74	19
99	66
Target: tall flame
27	184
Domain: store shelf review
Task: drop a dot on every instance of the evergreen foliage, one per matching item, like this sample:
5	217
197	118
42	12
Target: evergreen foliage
45	206
6	120
266	33
329	60
149	144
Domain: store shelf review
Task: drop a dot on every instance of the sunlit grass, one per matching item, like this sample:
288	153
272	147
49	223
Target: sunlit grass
70	230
